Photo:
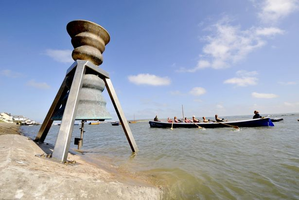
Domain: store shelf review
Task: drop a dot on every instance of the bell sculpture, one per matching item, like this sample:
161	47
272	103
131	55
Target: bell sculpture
80	95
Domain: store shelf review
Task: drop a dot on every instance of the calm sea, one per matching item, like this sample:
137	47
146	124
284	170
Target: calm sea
252	163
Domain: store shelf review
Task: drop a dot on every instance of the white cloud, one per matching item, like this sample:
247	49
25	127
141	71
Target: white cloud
242	81
10	74
149	79
263	95
244	78
197	91
274	10
63	56
200	65
33	83
228	44
269	31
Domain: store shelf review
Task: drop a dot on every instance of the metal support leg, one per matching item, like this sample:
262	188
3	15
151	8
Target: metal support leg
121	115
62	144
45	127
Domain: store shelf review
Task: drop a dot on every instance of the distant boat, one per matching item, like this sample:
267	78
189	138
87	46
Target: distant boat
276	119
133	122
240	123
94	123
115	123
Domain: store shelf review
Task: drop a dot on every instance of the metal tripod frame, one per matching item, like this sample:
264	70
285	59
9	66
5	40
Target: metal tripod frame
76	73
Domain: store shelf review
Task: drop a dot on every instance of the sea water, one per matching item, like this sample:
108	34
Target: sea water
222	163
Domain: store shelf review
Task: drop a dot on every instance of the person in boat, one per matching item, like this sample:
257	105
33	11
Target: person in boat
204	119
187	120
218	119
194	119
256	114
175	119
156	119
169	120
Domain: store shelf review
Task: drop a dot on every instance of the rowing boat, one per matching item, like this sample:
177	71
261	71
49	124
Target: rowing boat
240	123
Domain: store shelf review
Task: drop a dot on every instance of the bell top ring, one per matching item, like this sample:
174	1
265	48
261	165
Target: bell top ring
89	40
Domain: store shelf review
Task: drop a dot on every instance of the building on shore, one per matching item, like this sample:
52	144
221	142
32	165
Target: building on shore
6	117
18	119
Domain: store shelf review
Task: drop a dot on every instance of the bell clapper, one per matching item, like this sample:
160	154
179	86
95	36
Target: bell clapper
80	143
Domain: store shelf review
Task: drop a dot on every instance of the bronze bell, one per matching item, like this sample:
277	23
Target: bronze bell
88	39
91	105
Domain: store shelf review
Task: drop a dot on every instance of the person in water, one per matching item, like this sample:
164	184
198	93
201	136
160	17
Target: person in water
218	119
256	114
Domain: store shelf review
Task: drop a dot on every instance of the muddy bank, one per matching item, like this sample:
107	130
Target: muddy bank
27	174
9	128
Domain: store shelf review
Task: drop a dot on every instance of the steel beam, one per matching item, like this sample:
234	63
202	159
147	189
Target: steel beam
62	144
46	125
121	115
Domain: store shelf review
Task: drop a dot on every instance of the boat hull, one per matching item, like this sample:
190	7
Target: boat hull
240	123
115	123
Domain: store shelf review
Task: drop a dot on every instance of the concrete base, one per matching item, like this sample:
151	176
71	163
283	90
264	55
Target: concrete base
25	174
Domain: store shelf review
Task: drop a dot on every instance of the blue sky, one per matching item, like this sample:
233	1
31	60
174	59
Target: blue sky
225	57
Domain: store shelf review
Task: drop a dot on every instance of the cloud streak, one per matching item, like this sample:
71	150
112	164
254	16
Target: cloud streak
263	95
296	104
63	56
243	79
10	74
197	91
34	84
149	79
288	83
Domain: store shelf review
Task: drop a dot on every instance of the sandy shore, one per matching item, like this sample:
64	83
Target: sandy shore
9	128
27	174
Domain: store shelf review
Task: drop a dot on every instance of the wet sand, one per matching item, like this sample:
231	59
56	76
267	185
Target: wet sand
26	173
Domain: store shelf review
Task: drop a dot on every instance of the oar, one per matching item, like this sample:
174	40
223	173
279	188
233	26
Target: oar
236	127
171	126
197	125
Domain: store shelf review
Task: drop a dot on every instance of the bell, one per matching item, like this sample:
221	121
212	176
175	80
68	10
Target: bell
91	105
89	40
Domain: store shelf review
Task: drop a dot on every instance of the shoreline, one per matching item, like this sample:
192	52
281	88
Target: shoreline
27	174
9	128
